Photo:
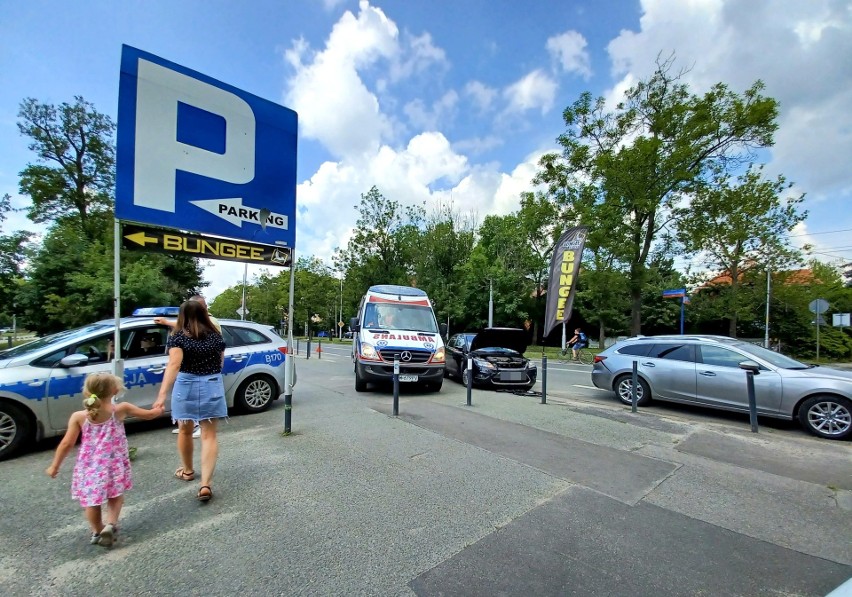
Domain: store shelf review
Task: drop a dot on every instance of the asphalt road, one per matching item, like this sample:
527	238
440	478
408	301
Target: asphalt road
507	497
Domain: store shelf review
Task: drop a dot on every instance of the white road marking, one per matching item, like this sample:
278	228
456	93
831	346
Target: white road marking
576	385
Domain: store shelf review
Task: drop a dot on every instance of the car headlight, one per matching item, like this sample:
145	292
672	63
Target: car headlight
438	357
483	364
368	352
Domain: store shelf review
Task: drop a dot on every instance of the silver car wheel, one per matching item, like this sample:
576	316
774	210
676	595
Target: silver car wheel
625	391
8	430
258	393
830	418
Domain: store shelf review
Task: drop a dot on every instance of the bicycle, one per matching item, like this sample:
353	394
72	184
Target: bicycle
584	356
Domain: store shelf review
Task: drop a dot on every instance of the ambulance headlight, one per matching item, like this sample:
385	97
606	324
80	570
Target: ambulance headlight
438	357
368	352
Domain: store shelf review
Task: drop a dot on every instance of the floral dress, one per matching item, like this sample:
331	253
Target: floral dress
103	465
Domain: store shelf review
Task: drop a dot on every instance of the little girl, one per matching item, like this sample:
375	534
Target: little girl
102	471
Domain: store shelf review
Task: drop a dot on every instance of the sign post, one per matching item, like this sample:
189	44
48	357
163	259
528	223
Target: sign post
818	306
681	294
199	155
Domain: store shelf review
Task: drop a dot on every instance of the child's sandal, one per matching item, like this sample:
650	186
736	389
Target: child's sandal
184	475
205	493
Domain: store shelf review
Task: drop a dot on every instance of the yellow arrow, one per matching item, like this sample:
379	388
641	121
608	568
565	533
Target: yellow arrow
140	239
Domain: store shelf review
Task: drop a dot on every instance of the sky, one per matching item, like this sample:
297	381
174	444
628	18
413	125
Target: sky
446	102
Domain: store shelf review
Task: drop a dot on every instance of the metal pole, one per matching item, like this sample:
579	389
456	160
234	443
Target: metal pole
490	303
543	379
319	347
245	274
340	327
817	322
634	385
469	379
290	364
768	294
308	351
682	299
396	384
117	363
752	401
564	339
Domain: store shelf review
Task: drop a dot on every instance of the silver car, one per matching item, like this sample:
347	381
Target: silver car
41	382
705	371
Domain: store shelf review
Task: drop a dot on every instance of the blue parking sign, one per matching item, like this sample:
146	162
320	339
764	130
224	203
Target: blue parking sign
196	154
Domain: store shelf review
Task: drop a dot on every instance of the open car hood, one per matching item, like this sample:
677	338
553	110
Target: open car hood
513	338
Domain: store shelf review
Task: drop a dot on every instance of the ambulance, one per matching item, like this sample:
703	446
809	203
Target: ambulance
397	321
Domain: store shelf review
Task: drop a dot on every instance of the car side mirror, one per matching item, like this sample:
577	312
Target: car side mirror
750	366
74	360
354	325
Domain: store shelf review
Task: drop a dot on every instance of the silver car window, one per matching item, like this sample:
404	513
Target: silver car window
638	350
673	352
721	357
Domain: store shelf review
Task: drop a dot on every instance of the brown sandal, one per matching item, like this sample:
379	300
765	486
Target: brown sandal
184	475
205	496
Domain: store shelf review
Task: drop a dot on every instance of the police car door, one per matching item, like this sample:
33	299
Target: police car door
64	387
145	359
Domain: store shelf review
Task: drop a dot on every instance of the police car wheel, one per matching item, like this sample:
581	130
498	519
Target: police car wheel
15	429
256	394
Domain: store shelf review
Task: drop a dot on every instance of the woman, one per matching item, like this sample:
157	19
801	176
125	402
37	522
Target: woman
196	354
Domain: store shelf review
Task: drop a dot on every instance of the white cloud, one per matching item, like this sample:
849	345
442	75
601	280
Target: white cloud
569	51
334	105
796	48
535	91
430	119
482	95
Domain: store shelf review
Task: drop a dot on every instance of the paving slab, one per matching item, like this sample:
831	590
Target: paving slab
622	475
822	462
582	543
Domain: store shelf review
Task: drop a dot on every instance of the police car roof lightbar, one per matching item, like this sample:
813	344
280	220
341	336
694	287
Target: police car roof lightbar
157	312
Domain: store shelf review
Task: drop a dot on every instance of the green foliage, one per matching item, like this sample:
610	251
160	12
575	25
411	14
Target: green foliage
738	227
631	167
383	246
74	176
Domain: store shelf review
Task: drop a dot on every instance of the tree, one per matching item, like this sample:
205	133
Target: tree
445	243
641	158
69	281
382	248
74	176
738	226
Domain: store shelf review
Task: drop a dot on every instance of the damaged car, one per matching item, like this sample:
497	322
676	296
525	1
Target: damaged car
496	358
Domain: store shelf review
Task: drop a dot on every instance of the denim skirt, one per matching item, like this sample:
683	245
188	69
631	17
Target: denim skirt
198	397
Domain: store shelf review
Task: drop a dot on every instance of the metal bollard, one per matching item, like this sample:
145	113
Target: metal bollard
543	379
308	352
319	349
752	401
751	369
396	384
469	379
634	386
297	345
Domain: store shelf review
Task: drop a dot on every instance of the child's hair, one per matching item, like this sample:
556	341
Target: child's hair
97	388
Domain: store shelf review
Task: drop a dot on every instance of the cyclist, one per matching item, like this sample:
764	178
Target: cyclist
578	341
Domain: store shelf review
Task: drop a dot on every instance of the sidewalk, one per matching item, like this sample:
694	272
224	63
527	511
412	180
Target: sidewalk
507	496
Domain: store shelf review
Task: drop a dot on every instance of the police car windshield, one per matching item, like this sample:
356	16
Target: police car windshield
59	337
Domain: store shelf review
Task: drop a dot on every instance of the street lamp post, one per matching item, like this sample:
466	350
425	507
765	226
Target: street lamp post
340	321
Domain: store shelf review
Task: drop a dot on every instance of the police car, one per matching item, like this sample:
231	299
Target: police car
41	382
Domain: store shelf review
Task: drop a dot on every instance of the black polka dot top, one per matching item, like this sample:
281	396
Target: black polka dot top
200	357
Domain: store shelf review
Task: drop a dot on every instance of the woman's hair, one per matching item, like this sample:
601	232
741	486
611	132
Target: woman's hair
194	321
97	388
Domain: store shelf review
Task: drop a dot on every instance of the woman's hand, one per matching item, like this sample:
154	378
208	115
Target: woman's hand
52	471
